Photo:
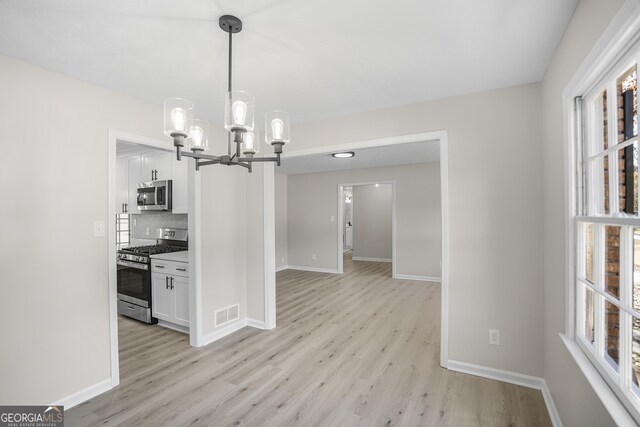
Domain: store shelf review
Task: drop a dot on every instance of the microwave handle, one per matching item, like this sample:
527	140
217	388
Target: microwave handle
160	195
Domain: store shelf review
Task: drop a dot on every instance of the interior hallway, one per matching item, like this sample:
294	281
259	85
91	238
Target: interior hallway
353	349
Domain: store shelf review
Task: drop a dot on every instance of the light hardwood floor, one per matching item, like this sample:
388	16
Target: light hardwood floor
353	349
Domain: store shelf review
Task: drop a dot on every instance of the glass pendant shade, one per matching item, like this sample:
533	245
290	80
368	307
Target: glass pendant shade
250	144
198	135
178	116
276	127
238	111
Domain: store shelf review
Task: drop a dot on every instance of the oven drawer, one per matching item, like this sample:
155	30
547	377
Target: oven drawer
134	311
173	268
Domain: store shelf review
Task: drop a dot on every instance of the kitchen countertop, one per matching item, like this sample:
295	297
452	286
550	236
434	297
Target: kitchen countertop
182	256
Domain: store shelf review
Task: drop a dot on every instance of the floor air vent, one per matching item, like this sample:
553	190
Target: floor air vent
227	315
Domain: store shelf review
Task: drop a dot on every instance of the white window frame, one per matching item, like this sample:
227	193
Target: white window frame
612	50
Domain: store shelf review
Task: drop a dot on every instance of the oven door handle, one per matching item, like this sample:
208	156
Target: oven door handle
131	264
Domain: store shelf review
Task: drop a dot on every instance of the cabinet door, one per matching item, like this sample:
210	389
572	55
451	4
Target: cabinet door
181	300
159	161
180	197
134	179
122	185
161	297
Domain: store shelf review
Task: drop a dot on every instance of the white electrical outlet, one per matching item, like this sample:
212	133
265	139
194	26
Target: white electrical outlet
313	256
147	231
282	260
494	337
333	218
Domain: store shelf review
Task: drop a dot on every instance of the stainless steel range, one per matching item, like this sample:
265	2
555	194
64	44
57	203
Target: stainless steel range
134	273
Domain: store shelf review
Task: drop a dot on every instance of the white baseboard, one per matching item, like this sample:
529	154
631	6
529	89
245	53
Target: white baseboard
364	258
281	268
224	331
511	378
314	269
85	394
256	324
421	278
551	407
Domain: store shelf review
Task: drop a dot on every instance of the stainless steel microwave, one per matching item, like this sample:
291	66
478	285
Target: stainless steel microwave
154	195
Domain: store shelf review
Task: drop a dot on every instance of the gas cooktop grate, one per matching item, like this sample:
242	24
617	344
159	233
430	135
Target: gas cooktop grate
153	249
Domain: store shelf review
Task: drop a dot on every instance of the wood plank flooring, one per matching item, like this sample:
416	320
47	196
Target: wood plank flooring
349	350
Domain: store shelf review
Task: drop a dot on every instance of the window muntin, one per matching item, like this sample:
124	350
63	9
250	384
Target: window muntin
607	256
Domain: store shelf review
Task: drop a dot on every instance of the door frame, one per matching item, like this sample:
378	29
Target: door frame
442	137
341	221
193	212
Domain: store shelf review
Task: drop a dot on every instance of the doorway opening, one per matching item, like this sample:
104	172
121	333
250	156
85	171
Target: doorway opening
366	223
134	229
311	160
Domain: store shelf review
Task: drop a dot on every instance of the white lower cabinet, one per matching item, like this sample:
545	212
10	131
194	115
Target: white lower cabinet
170	291
161	295
181	300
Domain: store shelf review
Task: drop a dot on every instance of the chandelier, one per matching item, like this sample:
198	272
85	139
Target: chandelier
239	107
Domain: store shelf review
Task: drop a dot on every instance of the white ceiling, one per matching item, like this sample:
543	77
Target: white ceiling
314	58
386	155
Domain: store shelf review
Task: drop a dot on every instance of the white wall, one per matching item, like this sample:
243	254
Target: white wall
372	231
54	302
223	213
281	219
255	243
495	197
576	401
313	199
54	272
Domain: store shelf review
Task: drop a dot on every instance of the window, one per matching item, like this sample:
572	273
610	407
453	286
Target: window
607	276
123	232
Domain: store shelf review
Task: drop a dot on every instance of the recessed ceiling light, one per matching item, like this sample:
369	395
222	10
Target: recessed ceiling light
344	155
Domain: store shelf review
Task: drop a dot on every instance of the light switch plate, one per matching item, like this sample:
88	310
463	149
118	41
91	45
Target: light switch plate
98	228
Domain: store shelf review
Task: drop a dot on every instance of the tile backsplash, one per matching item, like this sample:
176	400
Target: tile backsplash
143	226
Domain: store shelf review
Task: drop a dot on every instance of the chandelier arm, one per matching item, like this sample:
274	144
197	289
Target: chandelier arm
209	162
244	165
258	159
201	156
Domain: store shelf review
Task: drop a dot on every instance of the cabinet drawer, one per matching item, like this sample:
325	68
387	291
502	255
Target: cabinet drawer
180	269
158	266
170	268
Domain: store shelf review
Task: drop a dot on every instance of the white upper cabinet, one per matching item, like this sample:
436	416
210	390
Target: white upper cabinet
134	179
160	165
156	166
122	186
